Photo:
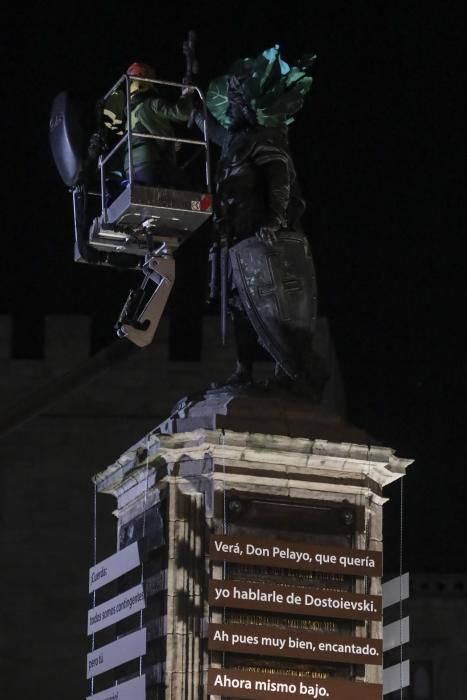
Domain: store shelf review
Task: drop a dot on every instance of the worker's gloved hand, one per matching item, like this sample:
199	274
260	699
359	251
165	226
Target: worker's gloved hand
267	234
96	145
186	91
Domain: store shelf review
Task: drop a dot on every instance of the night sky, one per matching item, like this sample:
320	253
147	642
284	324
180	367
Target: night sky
383	200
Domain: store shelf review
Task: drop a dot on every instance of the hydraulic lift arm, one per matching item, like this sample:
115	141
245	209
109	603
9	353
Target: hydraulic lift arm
141	315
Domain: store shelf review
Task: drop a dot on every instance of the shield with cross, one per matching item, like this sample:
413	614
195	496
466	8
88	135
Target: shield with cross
277	287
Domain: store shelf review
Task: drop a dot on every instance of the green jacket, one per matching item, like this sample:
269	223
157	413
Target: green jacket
150	114
154	115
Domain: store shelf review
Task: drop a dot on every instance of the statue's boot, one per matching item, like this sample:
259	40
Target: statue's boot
246	348
241	375
280	380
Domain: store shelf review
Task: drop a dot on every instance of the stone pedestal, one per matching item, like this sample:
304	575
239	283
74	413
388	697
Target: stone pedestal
280	495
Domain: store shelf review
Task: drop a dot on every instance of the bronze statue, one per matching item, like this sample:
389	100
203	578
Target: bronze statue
267	276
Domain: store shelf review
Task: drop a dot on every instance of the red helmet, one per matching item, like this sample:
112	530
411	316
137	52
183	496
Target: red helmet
141	70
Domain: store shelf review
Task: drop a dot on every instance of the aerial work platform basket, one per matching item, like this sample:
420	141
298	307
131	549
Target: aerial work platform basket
122	223
142	218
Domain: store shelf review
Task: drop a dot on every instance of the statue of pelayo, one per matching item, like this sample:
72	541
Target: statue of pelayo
264	271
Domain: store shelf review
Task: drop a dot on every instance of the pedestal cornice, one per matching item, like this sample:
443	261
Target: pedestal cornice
200	452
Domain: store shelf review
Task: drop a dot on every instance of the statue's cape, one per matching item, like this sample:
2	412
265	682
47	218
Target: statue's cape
271	88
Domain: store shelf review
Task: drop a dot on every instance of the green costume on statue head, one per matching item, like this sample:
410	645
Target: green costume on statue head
269	88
